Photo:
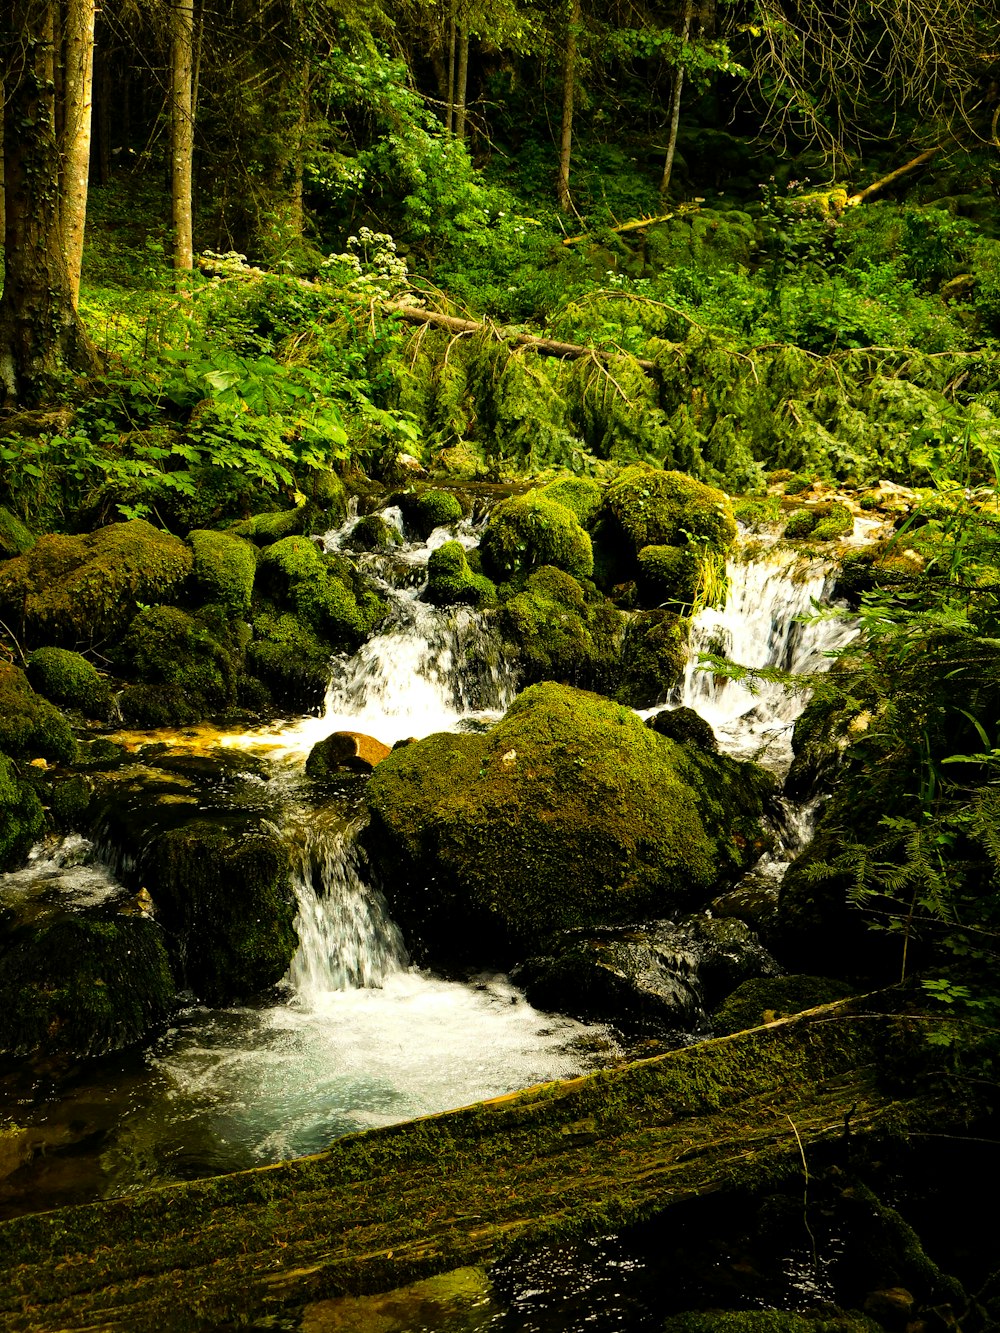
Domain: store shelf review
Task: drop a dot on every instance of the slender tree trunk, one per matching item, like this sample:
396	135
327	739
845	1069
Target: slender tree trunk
569	96
675	103
40	330
102	102
79	76
461	80
449	120
182	129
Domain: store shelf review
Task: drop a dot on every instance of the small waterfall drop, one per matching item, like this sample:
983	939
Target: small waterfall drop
346	937
769	620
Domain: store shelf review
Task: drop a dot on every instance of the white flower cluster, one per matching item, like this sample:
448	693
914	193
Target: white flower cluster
369	262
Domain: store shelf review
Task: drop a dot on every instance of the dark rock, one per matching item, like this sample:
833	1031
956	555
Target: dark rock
686	727
763	999
345	749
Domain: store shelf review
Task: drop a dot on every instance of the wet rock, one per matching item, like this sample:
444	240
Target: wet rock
373	533
67	678
29	725
224	569
345	749
570	812
556	630
21	814
528	531
892	1306
451	581
425	510
686	727
654	656
460	1301
763	999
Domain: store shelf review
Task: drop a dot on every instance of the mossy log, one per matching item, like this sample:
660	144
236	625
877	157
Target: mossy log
403	1202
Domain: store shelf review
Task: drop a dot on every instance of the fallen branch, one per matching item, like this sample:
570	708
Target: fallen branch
638	223
860	196
545	346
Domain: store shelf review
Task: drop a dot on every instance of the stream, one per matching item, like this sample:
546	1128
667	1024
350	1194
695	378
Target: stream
358	1037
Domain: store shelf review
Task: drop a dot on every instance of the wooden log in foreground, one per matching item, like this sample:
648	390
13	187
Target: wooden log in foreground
384	1208
545	346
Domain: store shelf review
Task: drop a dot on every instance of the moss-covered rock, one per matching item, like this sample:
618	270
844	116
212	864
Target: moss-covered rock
322	590
821	522
654	656
265	529
883	566
646	506
21	815
290	658
224	569
327	496
15	538
580	494
686	727
770	1321
68	678
373	533
69	591
451	582
30	725
167	648
81	986
668	576
569	813
556	632
527	531
763	999
423	511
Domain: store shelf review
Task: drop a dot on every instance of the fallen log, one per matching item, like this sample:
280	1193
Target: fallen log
545	346
859	196
396	1204
637	224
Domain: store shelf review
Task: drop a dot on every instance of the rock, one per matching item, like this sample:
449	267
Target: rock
760	1000
654	976
685	726
668	576
892	1306
451	582
224	569
373	533
423	511
645	506
15	538
29	724
527	531
266	529
291	658
820	522
653	657
556	632
580	494
21	815
594	821
68	678
186	674
68	591
345	749
323	591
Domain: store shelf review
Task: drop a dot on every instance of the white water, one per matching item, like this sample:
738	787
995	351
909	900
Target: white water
771	618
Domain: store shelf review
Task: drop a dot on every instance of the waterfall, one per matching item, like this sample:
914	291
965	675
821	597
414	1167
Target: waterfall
769	620
346	937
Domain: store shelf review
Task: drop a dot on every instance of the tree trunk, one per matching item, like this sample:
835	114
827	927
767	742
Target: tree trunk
461	80
182	129
675	102
79	72
449	120
569	96
40	331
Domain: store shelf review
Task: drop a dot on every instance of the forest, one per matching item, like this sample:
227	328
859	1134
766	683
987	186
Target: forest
499	609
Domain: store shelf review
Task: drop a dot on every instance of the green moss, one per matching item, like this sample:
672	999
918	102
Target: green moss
798	483
423	511
686	727
69	591
67	678
327	499
528	531
167	647
224	898
570	812
30	725
769	1321
822	522
580	494
800	523
82	987
21	815
265	529
15	538
645	506
668	576
763	999
224	569
323	591
290	658
373	533
450	581
654	656
556	633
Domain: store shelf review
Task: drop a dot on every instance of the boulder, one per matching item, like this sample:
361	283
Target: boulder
186	674
423	511
68	591
224	569
686	726
21	815
527	531
29	725
451	581
653	657
758	1000
555	631
373	533
323	591
646	506
580	494
569	813
68	678
351	750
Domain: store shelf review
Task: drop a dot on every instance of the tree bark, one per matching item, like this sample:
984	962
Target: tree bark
569	96
449	121
182	129
461	80
675	102
40	331
79	78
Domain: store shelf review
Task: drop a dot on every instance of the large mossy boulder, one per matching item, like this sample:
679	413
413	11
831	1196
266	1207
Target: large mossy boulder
224	569
29	725
555	629
582	495
646	506
184	673
653	657
323	591
290	658
423	511
82	986
452	582
527	531
21	815
67	678
15	538
73	591
569	813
